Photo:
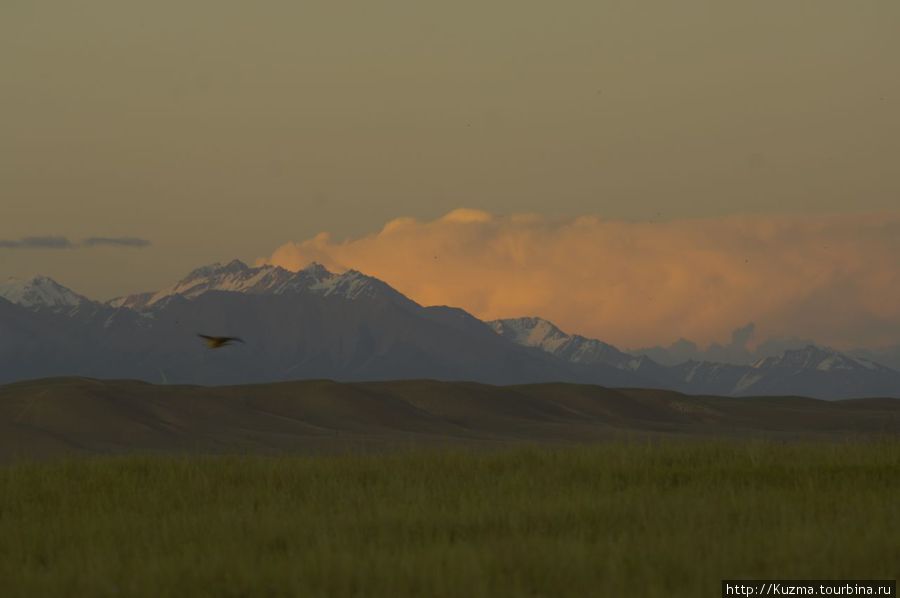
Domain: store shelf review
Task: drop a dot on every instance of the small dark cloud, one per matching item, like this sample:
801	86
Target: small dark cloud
115	242
57	242
37	243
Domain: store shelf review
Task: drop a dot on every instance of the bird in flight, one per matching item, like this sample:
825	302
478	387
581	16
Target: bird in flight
217	342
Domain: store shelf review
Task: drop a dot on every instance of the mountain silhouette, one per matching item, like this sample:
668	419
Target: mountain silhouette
352	327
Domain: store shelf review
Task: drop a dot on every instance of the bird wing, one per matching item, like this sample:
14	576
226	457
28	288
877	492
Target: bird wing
215	342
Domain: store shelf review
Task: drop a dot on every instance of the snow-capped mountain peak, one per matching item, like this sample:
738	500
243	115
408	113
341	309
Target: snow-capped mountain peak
544	335
217	269
39	292
317	270
812	357
531	332
353	285
236	276
350	325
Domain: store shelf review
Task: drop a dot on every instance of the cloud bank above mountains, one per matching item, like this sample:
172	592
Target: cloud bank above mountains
59	242
743	348
835	278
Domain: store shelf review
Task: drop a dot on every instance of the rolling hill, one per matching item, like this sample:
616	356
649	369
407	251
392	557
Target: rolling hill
81	415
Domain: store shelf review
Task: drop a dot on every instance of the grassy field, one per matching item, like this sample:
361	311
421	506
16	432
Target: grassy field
669	519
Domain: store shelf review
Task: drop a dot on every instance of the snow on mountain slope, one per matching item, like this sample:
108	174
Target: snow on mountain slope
236	276
889	356
811	371
136	301
39	292
707	377
820	359
544	335
315	323
347	328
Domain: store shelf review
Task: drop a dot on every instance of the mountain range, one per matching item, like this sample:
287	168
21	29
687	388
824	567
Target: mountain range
352	327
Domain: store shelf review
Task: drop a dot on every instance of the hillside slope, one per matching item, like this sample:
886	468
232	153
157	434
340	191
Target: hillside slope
62	415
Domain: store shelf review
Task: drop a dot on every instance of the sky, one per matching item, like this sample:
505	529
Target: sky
140	140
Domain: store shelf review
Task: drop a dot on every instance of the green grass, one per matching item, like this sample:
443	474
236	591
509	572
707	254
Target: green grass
669	519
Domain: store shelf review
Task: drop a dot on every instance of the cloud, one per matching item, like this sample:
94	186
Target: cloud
56	242
835	278
115	242
737	351
741	336
37	243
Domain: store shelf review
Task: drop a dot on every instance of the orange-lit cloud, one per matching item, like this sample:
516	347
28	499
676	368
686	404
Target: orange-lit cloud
834	278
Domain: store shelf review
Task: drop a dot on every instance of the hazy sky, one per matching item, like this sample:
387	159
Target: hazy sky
219	129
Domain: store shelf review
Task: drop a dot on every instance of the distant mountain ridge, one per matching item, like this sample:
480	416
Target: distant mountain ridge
317	324
811	371
236	276
306	324
543	334
40	292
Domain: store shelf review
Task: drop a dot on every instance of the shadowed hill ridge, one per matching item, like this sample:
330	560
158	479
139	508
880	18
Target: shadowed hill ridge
84	415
